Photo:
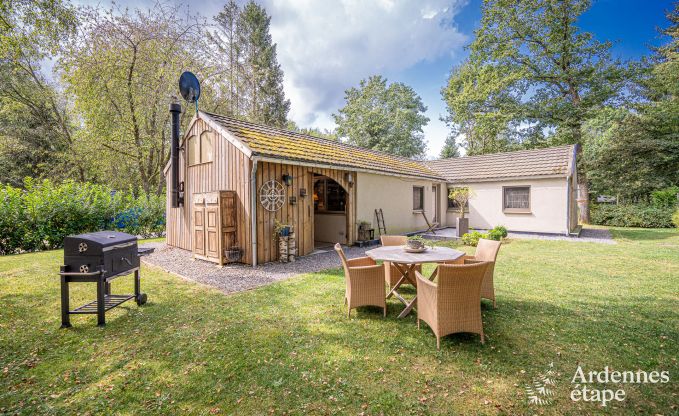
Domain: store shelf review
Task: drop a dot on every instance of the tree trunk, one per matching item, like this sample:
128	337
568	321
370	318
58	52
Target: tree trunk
583	198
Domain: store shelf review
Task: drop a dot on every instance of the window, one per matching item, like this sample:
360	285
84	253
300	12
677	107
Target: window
418	198
193	149
516	199
200	149
453	206
329	196
205	147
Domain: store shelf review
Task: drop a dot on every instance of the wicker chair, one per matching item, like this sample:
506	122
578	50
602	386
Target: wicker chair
454	303
365	282
392	274
486	251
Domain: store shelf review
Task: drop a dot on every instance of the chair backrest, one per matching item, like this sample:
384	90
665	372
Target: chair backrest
393	240
487	250
460	284
343	258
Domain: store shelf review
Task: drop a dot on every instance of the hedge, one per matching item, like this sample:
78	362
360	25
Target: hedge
639	215
39	216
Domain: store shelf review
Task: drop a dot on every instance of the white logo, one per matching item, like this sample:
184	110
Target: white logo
541	390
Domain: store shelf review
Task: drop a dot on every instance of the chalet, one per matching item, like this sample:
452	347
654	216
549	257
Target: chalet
235	181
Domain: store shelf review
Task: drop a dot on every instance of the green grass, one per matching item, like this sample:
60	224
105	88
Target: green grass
289	348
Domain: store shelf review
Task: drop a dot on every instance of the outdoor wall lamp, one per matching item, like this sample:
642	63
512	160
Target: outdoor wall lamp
287	179
350	178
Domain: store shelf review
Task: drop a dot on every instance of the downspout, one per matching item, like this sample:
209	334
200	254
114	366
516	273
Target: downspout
568	205
253	211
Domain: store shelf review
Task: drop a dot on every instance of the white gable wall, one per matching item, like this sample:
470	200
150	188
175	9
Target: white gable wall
548	206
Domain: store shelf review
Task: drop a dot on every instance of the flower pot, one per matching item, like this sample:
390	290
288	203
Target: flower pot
462	226
414	244
285	232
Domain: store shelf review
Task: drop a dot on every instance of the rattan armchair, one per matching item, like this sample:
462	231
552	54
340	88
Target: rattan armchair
453	304
365	282
486	251
392	274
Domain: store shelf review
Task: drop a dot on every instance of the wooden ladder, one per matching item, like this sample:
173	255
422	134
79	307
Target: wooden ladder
381	226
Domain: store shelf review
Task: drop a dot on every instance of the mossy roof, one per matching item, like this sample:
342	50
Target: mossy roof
292	146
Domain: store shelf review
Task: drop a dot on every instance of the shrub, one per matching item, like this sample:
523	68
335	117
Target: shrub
41	215
665	197
472	239
640	215
494	235
675	218
500	229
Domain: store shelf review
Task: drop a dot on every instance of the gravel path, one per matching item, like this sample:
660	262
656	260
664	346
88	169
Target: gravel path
238	277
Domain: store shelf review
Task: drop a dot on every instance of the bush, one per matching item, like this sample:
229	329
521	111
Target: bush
499	230
675	218
494	235
472	239
41	215
665	198
640	215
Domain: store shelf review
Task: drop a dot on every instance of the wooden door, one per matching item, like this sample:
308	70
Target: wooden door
229	220
198	217
436	192
212	231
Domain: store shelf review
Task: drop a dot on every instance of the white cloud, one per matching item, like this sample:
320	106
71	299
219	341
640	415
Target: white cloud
326	47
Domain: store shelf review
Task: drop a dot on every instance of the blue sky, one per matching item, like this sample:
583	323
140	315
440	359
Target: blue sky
327	46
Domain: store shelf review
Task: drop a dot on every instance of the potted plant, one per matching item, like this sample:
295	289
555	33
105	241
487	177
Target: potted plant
415	242
461	196
280	229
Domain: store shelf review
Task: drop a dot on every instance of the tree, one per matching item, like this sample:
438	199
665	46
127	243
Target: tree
264	76
546	74
386	118
227	56
632	152
122	71
36	131
450	148
461	196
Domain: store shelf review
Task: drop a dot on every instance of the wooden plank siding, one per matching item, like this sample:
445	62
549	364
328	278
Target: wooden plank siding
301	214
229	170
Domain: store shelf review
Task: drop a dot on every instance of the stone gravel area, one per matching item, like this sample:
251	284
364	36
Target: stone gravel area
238	277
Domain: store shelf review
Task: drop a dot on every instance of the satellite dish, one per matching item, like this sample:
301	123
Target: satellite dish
189	87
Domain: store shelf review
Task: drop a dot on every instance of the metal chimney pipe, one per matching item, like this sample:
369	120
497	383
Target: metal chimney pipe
175	110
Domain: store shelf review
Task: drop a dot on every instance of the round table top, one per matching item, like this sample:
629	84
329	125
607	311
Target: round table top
396	254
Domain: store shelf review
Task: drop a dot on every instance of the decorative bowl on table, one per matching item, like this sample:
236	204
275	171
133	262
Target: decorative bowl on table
415	246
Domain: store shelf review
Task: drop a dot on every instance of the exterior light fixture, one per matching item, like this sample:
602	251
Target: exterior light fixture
287	179
350	178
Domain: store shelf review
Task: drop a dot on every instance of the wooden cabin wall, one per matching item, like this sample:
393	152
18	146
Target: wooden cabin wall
301	214
229	170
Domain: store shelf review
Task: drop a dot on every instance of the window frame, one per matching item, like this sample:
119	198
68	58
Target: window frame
199	148
421	208
324	197
195	140
516	210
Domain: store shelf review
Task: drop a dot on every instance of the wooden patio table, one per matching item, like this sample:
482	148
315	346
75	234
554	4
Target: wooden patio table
405	263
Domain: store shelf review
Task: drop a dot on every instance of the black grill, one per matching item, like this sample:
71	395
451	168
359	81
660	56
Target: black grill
99	258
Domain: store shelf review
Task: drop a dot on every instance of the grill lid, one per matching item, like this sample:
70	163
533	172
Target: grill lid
91	244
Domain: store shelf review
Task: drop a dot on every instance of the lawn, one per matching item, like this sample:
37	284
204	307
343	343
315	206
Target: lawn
288	348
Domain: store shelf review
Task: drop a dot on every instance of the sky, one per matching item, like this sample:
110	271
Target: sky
327	46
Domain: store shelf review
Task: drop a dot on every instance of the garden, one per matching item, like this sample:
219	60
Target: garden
279	350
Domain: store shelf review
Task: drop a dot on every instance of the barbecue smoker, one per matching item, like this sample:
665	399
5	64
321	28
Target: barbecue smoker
99	258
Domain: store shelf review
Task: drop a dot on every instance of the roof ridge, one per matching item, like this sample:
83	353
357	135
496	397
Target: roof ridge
533	150
315	138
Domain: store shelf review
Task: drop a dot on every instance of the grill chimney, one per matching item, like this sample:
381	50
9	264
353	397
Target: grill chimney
177	200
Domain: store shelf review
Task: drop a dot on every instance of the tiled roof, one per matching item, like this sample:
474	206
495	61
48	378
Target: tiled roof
287	145
551	161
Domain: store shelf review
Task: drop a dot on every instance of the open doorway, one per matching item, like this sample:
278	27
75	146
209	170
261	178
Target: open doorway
330	212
